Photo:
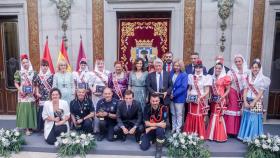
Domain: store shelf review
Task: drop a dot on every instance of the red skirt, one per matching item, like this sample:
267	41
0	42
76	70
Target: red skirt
216	129
195	120
232	116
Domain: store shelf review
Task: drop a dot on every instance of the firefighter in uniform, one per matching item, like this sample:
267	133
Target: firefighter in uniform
155	116
106	110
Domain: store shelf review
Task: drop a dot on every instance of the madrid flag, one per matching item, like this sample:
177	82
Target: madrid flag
47	56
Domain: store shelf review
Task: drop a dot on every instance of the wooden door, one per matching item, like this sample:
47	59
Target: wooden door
9	63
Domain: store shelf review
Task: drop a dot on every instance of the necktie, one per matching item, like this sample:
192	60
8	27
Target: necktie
168	67
160	82
128	108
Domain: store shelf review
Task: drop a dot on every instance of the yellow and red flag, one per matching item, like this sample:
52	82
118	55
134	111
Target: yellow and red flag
63	55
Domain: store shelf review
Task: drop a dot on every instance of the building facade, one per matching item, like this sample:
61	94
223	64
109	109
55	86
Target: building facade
210	27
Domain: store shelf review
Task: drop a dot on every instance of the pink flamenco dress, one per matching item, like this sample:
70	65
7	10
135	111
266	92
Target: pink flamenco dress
216	129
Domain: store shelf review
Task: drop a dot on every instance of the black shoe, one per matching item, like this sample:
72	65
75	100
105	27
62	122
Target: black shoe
100	137
158	150
123	138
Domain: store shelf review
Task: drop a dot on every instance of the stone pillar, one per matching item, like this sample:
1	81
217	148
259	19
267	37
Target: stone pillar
189	29
33	33
98	28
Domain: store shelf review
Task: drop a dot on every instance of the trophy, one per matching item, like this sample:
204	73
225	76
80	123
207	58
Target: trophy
101	118
27	89
59	113
161	93
77	118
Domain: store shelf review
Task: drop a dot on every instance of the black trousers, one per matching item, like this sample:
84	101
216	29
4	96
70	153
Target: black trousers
55	132
139	130
86	126
107	129
40	121
146	138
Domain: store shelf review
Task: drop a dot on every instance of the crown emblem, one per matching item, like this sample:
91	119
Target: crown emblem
144	43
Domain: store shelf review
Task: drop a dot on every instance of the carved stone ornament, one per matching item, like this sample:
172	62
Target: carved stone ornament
64	7
225	7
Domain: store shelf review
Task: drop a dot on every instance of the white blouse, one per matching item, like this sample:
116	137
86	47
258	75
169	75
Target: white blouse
203	80
84	75
260	85
48	111
96	80
240	78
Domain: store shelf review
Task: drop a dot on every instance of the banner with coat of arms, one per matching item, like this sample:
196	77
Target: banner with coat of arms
145	38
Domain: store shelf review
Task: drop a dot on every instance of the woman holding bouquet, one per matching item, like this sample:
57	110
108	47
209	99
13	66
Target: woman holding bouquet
197	95
255	85
26	108
216	129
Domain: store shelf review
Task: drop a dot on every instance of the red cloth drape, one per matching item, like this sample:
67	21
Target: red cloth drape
155	30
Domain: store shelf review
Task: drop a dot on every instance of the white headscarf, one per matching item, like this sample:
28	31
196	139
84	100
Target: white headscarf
102	72
223	72
262	82
29	69
47	74
244	66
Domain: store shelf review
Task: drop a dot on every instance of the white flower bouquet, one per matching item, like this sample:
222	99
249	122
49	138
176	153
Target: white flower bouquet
264	146
73	143
10	141
187	146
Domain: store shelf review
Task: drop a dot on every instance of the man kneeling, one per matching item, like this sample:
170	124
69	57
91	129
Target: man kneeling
129	117
82	112
155	116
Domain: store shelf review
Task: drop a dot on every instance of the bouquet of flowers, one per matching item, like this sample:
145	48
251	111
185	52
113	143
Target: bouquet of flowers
10	141
264	146
73	143
186	145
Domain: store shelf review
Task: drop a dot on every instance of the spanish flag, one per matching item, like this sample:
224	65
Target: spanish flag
63	55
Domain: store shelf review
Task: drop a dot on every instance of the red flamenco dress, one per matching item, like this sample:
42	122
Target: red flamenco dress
216	129
195	122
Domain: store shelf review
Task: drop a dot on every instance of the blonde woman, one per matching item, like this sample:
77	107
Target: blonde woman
178	94
64	81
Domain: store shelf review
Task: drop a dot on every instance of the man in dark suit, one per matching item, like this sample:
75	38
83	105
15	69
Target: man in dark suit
218	59
129	117
160	82
167	65
190	67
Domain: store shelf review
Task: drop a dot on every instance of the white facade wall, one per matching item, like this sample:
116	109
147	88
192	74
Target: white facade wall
79	23
208	32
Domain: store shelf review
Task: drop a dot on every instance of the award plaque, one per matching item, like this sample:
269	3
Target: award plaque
192	99
100	89
83	85
215	98
27	89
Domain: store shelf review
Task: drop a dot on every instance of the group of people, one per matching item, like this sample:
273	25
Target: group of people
144	101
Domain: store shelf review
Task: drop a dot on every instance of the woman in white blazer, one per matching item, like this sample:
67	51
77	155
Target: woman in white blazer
56	114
